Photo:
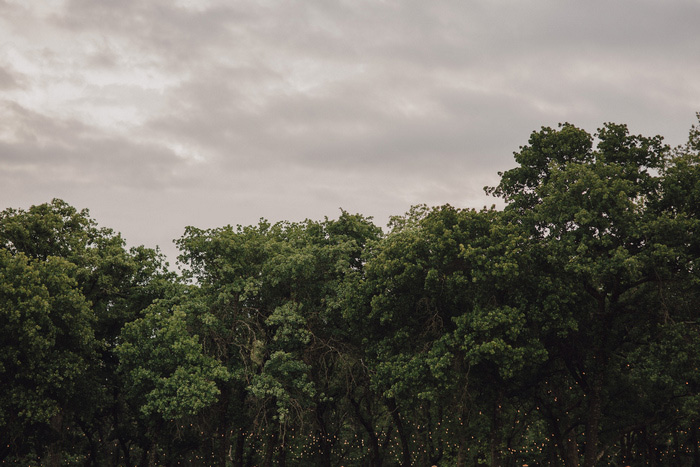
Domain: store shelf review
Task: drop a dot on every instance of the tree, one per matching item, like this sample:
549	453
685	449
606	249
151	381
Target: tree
267	305
561	330
444	326
46	328
609	241
167	376
115	283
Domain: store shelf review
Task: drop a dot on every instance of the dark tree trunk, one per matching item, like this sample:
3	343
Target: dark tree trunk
269	450
495	435
240	445
125	449
282	456
590	456
143	462
564	438
462	455
323	436
567	445
375	459
694	429
222	444
405	449
570	448
54	451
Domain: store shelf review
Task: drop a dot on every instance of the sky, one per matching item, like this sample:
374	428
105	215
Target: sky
159	114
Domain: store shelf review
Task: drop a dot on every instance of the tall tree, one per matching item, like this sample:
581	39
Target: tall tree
607	249
46	330
267	303
115	282
445	326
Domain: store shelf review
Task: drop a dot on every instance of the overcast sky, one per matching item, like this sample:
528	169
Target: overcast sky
157	114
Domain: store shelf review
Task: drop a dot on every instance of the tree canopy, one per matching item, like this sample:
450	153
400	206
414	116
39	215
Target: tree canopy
562	329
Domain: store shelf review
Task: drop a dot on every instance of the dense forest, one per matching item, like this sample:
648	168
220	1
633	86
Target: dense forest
561	330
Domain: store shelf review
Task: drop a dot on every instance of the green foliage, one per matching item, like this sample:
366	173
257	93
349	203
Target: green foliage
600	224
84	286
47	335
561	330
166	371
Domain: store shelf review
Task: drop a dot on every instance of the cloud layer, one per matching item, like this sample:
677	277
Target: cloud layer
158	114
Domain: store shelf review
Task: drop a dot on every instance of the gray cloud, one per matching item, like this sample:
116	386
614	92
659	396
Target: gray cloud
7	79
158	114
51	151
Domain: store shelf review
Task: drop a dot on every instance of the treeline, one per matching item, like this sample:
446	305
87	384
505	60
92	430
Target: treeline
561	330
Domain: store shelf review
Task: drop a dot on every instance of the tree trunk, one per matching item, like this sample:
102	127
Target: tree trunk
152	455
564	439
125	450
269	450
323	436
570	451
375	459
590	456
405	450
462	455
495	435
240	445
54	454
282	456
694	439
143	462
222	444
